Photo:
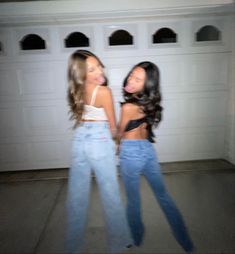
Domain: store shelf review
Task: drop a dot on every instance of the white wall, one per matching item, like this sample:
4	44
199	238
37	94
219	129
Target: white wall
230	137
88	6
198	83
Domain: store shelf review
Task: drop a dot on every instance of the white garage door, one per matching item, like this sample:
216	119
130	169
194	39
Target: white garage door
194	57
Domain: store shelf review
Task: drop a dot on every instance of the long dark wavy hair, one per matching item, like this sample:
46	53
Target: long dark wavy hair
77	70
150	98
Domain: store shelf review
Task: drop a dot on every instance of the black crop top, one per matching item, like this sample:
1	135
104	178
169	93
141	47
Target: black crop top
133	124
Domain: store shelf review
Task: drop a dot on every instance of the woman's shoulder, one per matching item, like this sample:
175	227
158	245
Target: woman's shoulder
129	107
127	104
104	91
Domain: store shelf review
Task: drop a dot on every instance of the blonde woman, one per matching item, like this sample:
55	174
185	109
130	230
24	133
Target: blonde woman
93	149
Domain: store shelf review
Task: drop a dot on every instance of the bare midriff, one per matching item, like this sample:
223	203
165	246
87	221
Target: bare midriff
137	133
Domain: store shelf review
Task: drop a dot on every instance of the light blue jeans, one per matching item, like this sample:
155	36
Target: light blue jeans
94	150
139	157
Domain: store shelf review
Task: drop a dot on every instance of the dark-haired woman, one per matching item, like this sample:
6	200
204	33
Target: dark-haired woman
93	150
140	112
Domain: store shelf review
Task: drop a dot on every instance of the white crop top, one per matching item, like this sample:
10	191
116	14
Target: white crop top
93	113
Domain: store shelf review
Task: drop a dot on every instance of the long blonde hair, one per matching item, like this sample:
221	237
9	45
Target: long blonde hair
77	69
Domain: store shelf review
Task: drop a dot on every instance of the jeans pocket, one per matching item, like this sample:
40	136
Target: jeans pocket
99	149
130	153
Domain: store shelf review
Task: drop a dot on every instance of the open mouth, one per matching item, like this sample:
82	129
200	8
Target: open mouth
129	89
100	79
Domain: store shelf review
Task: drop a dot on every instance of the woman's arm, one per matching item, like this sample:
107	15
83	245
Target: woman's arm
125	117
108	105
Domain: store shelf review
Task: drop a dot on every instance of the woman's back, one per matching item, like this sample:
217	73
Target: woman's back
134	121
99	98
93	96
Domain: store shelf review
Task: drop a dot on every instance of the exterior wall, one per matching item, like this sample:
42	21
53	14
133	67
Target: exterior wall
197	80
230	137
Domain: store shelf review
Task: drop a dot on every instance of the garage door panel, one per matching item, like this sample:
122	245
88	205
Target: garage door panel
13	154
171	72
11	124
45	117
194	110
34	155
40	118
35	81
208	70
195	144
8	79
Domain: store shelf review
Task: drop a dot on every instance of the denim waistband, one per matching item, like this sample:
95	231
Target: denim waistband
95	124
137	148
92	131
136	142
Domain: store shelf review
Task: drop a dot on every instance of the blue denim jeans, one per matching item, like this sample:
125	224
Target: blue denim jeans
139	157
94	150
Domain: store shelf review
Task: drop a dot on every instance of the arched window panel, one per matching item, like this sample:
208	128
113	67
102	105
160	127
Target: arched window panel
32	42
164	35
208	33
120	38
76	40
